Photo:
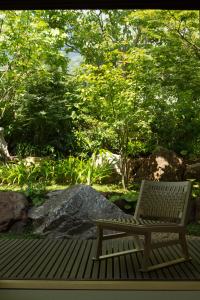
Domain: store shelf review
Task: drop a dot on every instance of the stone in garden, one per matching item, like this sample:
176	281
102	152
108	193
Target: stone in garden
13	208
192	171
32	160
114	160
70	213
162	165
3	146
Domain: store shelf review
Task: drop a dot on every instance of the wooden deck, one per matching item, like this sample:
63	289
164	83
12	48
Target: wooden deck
71	260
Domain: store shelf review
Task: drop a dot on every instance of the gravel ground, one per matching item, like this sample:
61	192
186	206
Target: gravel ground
167	236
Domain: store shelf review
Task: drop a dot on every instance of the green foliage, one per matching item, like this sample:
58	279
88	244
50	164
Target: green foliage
195	189
35	192
64	171
130	197
137	86
26	234
25	149
35	89
113	97
80	170
14	174
193	229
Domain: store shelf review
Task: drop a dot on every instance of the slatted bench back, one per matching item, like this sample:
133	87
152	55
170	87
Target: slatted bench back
164	201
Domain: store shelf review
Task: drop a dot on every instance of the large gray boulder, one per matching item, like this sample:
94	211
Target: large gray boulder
70	213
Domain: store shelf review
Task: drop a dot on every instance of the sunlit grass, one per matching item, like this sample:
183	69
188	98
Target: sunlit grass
7	187
109	188
53	187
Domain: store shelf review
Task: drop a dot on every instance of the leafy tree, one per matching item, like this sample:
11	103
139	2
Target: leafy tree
36	92
138	85
112	95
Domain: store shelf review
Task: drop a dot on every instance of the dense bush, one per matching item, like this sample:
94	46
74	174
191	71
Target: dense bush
64	171
129	200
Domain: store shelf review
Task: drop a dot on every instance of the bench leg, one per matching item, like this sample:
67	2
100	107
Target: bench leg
137	242
183	242
99	242
146	252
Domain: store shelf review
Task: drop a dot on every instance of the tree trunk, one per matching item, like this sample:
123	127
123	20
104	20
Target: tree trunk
4	153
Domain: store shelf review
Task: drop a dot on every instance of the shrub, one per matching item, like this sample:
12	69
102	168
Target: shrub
35	193
130	198
64	171
79	170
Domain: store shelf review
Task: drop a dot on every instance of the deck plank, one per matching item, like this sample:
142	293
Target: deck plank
52	261
5	244
90	263
186	267
174	270
116	263
72	260
134	261
102	267
155	274
164	272
109	264
59	260
65	258
12	250
46	261
122	262
129	264
81	255
18	256
172	253
86	259
25	266
195	262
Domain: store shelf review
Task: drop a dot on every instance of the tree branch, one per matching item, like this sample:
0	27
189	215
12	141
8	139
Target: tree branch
74	49
195	47
1	25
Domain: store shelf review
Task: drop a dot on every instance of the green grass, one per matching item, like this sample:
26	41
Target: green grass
98	187
26	234
10	236
12	187
111	188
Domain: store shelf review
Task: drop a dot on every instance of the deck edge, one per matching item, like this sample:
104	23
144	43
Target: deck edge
139	285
